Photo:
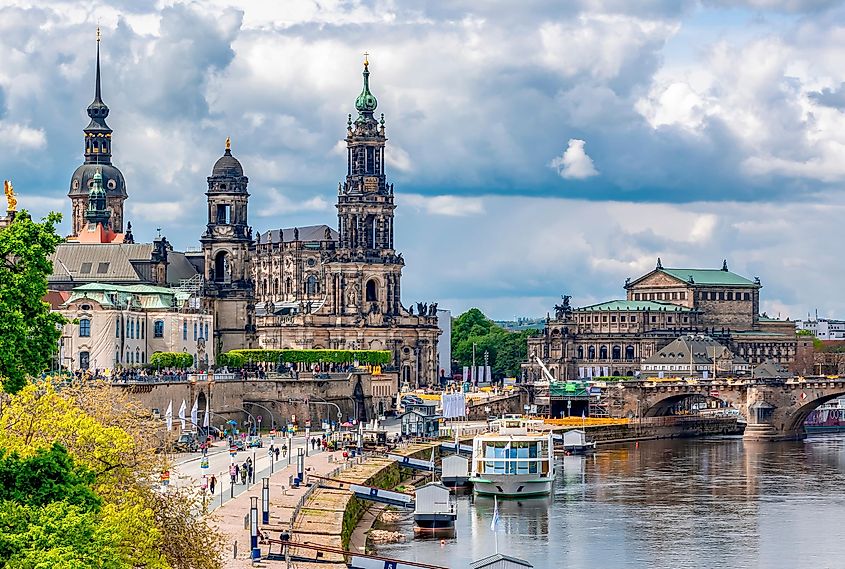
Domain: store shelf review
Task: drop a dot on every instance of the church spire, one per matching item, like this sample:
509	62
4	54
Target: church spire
98	133
366	103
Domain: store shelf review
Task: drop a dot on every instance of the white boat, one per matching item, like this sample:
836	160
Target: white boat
513	461
575	442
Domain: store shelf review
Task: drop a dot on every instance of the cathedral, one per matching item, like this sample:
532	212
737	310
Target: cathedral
317	287
297	287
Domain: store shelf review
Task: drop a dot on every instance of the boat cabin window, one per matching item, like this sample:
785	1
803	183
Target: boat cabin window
515	457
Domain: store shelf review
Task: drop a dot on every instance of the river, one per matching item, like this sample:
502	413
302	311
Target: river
666	504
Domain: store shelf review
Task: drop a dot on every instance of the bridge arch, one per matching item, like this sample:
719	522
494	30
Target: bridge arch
795	421
663	407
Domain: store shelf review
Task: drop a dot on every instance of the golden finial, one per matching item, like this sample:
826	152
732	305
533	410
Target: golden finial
11	200
228	143
366	56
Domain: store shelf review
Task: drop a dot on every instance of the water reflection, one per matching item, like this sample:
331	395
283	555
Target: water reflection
667	504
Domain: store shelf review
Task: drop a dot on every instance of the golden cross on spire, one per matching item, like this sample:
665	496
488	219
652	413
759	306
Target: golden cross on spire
228	143
366	55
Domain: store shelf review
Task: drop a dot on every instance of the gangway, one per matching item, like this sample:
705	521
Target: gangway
413	463
372	493
382	496
461	449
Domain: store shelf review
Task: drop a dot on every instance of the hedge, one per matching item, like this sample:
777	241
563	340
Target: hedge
237	358
171	359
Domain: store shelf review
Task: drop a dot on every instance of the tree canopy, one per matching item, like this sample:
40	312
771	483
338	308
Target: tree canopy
29	331
505	350
110	442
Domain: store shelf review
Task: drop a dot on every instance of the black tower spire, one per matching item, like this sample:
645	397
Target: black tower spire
98	154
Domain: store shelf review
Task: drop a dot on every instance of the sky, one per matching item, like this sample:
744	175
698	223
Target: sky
537	148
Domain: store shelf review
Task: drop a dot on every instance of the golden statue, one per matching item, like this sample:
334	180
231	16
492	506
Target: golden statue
11	200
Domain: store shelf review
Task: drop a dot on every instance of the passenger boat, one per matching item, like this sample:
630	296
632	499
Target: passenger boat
828	417
514	461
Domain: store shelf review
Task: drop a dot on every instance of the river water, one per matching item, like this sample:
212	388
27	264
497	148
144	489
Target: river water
669	504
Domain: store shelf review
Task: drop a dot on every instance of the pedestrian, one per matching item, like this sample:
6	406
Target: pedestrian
276	450
233	473
212	483
249	470
284	450
243	475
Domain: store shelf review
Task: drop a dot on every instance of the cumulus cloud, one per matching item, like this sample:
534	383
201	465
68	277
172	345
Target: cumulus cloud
451	206
280	204
16	137
574	164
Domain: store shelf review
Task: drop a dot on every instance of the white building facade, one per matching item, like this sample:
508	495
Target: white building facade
115	326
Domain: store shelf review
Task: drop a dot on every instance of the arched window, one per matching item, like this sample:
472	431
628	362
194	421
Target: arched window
591	353
580	352
195	331
372	292
312	286
184	330
117	356
275	287
617	352
117	327
603	353
629	353
206	331
221	268
143	326
158	329
287	285
84	328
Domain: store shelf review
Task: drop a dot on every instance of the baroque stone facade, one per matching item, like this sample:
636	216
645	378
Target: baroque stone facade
613	338
314	287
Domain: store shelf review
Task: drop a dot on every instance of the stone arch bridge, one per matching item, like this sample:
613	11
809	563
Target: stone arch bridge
774	409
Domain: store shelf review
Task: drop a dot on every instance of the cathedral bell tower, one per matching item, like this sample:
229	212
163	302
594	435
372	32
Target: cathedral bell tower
98	152
227	247
365	218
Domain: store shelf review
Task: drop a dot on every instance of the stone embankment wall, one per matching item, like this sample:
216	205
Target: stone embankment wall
657	429
329	517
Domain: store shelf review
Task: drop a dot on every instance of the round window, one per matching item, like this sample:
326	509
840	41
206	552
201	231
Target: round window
111	184
311	262
86	307
76	184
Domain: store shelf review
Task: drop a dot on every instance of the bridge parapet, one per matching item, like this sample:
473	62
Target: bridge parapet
773	409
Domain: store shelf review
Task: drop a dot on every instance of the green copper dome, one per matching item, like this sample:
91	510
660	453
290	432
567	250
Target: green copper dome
366	102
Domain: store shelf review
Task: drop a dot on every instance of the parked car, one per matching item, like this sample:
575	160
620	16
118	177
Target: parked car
254	442
239	444
187	442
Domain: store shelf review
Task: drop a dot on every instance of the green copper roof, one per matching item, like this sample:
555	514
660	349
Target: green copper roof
644	305
714	277
366	102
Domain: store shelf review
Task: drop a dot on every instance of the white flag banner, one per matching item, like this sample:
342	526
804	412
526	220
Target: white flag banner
169	416
489	373
580	372
182	414
205	417
480	374
466	374
454	405
606	372
194	412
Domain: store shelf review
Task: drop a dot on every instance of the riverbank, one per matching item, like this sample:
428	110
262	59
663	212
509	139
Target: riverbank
333	516
659	428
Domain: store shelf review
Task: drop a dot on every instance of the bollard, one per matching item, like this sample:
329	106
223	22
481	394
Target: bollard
235	550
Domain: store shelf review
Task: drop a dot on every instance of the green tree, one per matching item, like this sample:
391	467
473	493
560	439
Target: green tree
47	476
505	350
29	331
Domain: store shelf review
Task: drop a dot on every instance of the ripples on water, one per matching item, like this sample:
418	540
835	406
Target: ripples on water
667	504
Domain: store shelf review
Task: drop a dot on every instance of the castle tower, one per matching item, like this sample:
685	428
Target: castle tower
365	218
98	153
227	248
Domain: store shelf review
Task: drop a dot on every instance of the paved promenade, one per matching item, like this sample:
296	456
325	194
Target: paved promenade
320	521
